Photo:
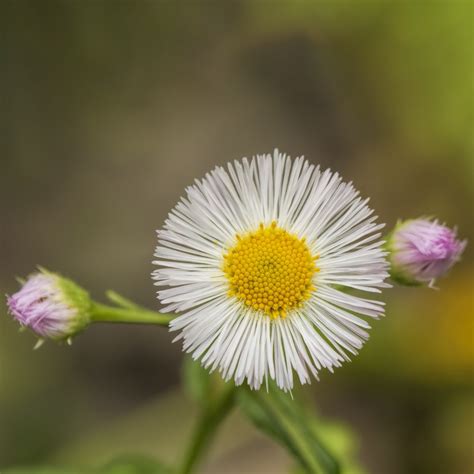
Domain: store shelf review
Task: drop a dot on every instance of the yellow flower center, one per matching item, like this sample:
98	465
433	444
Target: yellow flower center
270	270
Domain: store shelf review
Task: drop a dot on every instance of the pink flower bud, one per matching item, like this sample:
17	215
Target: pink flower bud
422	251
51	306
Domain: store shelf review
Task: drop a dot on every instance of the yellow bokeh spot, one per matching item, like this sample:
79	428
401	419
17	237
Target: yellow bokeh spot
270	270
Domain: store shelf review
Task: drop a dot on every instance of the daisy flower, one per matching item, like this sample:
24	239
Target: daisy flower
258	257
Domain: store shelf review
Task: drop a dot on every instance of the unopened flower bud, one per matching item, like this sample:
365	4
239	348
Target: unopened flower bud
422	251
51	306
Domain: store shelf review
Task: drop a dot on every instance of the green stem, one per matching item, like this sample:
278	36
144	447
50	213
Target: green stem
206	427
109	314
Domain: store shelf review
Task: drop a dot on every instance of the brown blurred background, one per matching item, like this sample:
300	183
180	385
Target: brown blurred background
110	108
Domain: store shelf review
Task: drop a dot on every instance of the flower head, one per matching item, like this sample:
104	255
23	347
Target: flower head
256	257
422	250
51	306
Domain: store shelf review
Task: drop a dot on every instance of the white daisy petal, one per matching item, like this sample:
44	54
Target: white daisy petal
255	258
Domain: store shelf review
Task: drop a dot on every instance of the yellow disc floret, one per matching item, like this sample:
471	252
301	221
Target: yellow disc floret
270	270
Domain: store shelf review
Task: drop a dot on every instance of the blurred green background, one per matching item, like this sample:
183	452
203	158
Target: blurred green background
110	108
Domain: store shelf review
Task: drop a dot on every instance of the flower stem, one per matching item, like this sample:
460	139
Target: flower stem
109	314
207	424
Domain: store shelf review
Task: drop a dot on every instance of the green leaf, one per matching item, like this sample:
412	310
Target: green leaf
120	300
282	418
197	381
133	464
48	470
130	464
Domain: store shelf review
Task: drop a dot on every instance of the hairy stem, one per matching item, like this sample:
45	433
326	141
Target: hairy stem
132	315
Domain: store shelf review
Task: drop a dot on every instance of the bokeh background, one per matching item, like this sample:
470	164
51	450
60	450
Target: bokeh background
110	108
